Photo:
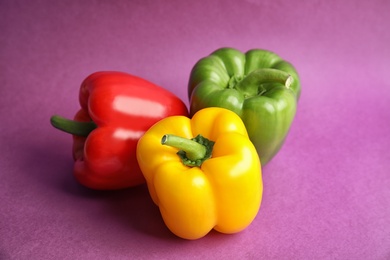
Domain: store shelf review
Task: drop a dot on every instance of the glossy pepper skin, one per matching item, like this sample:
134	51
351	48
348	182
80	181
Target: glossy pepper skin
259	86
116	110
223	193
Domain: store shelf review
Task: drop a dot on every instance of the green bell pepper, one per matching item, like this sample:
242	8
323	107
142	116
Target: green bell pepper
259	86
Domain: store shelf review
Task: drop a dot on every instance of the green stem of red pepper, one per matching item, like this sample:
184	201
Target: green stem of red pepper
72	127
192	152
251	84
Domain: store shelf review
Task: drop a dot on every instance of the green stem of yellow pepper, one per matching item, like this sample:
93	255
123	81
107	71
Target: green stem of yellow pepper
193	152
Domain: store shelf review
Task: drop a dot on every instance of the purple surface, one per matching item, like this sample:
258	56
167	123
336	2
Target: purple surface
326	194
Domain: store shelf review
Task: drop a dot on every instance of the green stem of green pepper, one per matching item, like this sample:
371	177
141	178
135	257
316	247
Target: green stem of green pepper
72	127
251	84
192	152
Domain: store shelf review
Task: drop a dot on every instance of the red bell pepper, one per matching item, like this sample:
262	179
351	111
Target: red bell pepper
116	109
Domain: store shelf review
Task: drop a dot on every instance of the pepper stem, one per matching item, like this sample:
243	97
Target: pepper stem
71	126
193	152
251	84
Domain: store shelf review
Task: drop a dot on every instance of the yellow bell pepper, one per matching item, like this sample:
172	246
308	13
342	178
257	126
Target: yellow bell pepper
203	172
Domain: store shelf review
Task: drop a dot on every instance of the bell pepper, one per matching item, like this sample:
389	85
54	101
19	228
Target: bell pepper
259	86
203	173
116	110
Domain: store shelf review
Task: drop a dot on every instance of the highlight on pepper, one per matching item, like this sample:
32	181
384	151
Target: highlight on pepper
203	173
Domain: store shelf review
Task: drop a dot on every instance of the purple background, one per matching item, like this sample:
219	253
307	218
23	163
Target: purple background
327	192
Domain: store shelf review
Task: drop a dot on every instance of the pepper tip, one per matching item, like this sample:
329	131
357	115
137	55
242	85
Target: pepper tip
164	139
289	81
